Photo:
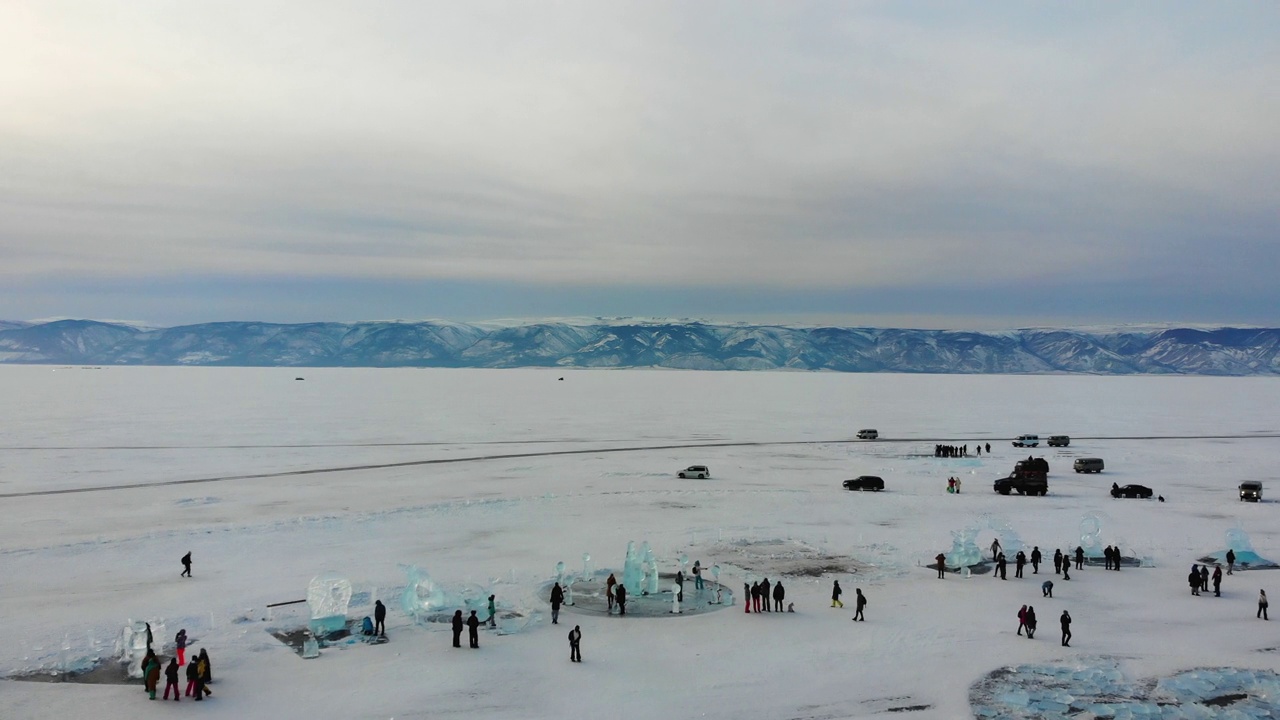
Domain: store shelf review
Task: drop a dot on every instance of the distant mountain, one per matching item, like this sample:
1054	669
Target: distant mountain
648	343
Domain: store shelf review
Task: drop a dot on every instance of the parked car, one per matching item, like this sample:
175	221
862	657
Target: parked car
864	482
1251	490
1059	440
1025	484
1130	491
1027	441
695	471
1088	465
868	434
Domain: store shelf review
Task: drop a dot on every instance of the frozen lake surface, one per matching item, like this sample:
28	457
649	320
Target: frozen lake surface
488	478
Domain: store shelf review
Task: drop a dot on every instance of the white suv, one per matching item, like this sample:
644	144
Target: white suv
695	471
1027	441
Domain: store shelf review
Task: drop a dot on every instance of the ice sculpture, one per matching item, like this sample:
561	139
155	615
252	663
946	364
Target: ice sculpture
560	571
310	648
1245	556
328	597
650	568
631	570
964	548
1091	534
421	595
586	566
133	645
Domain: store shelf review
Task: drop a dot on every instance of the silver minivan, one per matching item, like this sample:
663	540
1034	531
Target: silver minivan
1088	465
1027	441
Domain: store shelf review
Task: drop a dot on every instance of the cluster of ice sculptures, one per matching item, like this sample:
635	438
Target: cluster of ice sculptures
1101	690
425	601
640	570
328	597
965	552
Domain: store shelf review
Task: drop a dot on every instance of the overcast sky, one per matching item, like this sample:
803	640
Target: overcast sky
913	164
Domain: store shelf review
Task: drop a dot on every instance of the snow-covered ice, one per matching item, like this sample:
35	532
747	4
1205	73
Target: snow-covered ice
490	479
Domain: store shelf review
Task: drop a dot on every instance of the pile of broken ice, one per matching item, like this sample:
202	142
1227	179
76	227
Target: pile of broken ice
1101	690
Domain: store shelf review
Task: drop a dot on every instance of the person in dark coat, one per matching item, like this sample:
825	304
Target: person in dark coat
206	674
1065	620
473	630
1001	567
1066	568
193	677
1036	557
1217	581
1193	579
679	586
1262	605
1022	619
557	597
746	597
379	618
620	595
171	680
778	594
1046	588
941	559
149	637
755	597
457	628
186	565
1057	561
608	590
835	595
575	644
861	603
1204	577
1019	561
765	590
1079	558
1231	561
988	448
1030	621
1106	557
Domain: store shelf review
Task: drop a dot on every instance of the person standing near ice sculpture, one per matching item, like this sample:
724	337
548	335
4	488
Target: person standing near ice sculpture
1002	567
1262	605
457	628
171	680
1065	620
1019	561
379	618
995	548
1036	557
1066	568
152	674
186	565
1231	561
473	630
859	605
557	597
620	594
608	590
778	594
942	566
1217	580
193	678
575	644
835	595
679	586
697	574
1079	557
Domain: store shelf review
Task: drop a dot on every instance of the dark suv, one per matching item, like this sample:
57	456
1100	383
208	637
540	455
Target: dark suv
864	482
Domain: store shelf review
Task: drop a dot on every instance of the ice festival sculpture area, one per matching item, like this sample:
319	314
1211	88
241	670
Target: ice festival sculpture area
1239	543
965	552
328	597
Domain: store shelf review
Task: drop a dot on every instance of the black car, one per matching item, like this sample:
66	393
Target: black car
864	482
1130	491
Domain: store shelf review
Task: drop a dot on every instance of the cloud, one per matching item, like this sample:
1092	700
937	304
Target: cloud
791	147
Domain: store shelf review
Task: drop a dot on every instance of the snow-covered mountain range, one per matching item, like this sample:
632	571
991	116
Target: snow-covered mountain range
648	343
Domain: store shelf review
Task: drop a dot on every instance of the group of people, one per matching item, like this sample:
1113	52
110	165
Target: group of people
1199	577
758	593
199	675
951	451
860	600
953	484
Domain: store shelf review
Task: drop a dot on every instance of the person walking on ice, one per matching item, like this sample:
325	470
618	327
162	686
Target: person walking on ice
861	603
171	680
575	642
186	565
1066	628
835	595
1262	604
995	548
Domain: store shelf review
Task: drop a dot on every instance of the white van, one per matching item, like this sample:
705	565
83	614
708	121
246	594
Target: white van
1027	441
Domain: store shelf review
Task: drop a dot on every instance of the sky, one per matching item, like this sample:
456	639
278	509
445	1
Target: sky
909	164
